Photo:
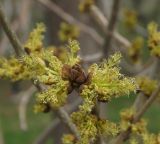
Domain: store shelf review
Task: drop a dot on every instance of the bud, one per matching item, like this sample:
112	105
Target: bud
66	70
78	74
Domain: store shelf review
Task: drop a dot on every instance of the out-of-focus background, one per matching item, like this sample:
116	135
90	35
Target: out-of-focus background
23	15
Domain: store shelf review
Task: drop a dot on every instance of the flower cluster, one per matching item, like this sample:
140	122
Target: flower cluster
43	66
68	31
103	83
13	69
151	138
126	122
60	72
107	82
68	139
84	5
34	43
130	18
154	39
138	129
145	138
135	49
147	85
90	127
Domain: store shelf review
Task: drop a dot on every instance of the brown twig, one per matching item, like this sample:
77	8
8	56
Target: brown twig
62	114
12	37
139	104
125	134
108	38
111	26
71	20
99	17
41	139
21	22
25	97
147	104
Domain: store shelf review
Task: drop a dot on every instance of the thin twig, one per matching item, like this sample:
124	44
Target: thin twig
21	22
99	17
151	99
125	134
111	26
25	97
92	58
4	40
66	120
71	20
96	14
24	17
140	101
41	139
137	69
12	37
62	114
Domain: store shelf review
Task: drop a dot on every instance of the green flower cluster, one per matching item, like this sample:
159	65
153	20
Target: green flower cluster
68	139
130	18
43	66
154	39
138	129
60	72
35	39
147	85
13	69
85	5
136	48
103	83
90	127
126	122
68	31
107	82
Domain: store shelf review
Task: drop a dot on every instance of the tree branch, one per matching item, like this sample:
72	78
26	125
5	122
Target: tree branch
111	26
125	134
10	34
103	23
25	97
97	16
41	139
71	20
62	114
66	120
147	104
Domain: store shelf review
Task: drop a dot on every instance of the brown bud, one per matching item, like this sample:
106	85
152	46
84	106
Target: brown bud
87	82
78	74
74	74
77	67
66	70
81	78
